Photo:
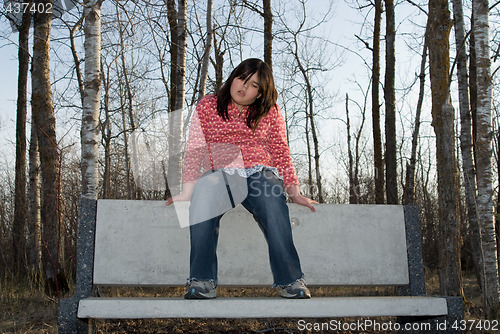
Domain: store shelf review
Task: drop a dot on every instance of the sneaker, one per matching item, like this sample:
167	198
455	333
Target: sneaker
296	290
200	290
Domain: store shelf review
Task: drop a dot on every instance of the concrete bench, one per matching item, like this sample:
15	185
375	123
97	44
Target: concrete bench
141	243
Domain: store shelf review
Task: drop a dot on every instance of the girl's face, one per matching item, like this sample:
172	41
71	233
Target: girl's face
244	93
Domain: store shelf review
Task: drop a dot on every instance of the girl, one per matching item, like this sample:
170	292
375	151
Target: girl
243	114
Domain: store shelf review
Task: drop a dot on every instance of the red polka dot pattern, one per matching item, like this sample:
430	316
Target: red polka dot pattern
216	143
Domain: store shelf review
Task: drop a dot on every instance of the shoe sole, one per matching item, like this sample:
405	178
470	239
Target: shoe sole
301	295
193	294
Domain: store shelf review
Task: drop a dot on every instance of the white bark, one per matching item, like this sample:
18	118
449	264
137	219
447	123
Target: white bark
469	172
484	154
91	98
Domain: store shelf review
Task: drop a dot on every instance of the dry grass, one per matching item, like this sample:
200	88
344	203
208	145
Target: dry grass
29	310
26	309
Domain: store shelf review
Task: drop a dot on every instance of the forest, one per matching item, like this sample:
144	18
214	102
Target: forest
385	102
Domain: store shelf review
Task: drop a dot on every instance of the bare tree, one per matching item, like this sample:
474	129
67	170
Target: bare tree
306	71
206	52
353	167
409	189
377	137
176	115
42	107
266	12
443	123
390	106
19	223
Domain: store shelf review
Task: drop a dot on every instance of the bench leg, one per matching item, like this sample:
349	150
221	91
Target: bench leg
67	320
449	323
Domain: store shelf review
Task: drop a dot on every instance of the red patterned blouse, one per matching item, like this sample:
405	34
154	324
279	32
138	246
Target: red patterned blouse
214	143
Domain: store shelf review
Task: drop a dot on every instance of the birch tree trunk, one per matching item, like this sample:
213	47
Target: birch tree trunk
34	219
377	136
469	172
45	122
91	98
390	106
443	123
19	224
484	138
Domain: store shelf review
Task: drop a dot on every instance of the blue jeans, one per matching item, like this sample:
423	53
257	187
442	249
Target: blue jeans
266	201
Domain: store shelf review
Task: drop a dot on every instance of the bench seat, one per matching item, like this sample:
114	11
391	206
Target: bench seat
241	307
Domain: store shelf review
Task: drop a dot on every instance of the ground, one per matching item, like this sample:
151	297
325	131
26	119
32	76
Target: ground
29	310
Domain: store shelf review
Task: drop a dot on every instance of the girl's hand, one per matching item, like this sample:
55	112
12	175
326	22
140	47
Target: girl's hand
185	195
296	197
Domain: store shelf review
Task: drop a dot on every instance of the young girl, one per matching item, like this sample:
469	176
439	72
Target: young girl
244	114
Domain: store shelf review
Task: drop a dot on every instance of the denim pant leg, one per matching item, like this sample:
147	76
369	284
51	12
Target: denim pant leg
203	238
203	257
267	202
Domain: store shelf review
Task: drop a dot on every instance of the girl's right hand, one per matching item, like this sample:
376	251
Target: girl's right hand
185	195
178	198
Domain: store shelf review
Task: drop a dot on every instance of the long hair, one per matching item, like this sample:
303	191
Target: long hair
263	104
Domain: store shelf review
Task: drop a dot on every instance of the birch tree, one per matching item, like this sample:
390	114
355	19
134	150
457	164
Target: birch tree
439	26
485	205
469	172
91	98
34	219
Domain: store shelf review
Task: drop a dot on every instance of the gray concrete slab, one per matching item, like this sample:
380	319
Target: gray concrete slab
134	308
142	243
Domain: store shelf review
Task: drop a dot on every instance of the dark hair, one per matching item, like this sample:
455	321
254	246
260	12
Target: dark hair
263	104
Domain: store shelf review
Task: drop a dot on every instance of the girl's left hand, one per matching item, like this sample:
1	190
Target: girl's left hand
302	200
296	197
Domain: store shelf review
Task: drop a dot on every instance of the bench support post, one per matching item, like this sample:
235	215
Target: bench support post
68	321
416	287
